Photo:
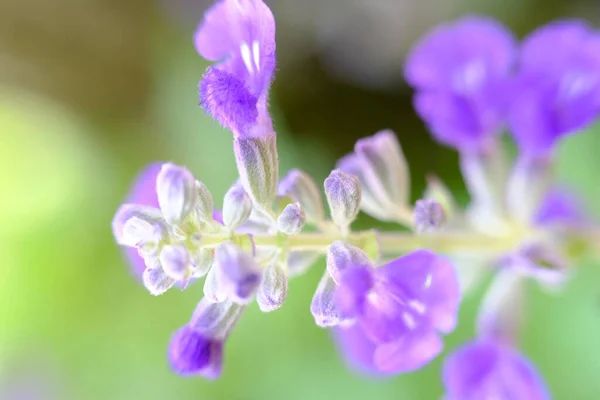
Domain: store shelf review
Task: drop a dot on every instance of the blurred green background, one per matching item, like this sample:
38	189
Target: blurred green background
93	90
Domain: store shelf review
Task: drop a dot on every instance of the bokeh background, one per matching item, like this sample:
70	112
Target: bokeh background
93	90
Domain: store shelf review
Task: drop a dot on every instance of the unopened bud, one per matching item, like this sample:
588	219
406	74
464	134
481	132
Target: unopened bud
302	188
237	207
258	166
156	281
344	196
204	204
429	215
214	290
240	275
342	256
380	166
176	191
202	259
273	288
323	306
436	190
145	217
175	261
291	220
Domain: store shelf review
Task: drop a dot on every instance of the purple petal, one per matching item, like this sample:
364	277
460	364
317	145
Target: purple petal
560	208
559	85
354	283
464	122
443	296
241	33
461	55
191	353
143	192
489	369
356	348
226	98
409	353
461	75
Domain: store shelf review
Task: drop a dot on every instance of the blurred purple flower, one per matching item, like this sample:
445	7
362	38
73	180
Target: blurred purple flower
558	84
143	192
460	72
192	353
487	369
241	35
401	307
196	349
561	207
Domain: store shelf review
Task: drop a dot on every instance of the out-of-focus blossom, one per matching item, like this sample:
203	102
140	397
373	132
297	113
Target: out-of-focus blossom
487	369
241	35
197	347
402	307
379	164
143	193
460	72
558	85
561	207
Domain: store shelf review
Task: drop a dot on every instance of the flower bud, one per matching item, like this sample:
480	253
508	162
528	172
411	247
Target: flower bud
385	164
204	205
238	272
202	259
291	220
301	188
323	306
429	216
273	288
258	166
214	289
381	168
343	195
176	191
156	281
175	261
237	207
342	256
436	190
145	216
194	353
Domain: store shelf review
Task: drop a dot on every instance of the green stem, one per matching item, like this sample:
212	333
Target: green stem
394	243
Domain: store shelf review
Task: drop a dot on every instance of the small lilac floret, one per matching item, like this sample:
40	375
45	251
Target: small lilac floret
402	307
460	72
486	369
561	208
143	192
238	273
241	35
558	85
193	353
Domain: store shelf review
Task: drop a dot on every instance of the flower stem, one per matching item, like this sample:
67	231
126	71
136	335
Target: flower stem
394	243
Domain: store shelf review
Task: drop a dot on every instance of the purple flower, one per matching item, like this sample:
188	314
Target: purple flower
460	72
560	207
401	307
241	35
197	347
143	192
487	369
192	353
558	85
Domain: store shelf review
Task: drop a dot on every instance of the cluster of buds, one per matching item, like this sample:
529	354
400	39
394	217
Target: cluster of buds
388	296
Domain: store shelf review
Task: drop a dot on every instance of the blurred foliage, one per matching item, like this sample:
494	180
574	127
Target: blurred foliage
69	302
